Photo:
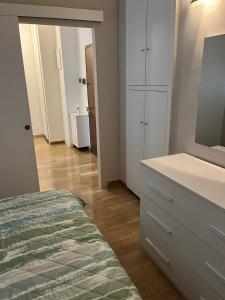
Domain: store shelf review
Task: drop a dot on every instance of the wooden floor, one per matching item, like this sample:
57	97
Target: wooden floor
115	211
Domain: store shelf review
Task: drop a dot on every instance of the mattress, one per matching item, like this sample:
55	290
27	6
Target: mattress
50	249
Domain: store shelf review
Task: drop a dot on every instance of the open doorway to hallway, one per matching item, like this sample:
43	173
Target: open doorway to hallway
60	79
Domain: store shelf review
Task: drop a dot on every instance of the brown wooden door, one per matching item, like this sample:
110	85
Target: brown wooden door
91	97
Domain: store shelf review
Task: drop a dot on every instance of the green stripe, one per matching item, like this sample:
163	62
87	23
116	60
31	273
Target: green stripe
50	249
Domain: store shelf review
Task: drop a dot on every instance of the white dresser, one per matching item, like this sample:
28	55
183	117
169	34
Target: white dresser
183	223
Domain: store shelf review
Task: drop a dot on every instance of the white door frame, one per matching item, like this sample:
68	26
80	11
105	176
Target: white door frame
61	13
50	12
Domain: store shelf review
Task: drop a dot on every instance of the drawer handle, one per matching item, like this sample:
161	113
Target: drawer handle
160	223
164	258
202	298
161	193
216	272
219	232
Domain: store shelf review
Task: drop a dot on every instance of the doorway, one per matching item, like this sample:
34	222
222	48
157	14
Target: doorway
18	170
60	86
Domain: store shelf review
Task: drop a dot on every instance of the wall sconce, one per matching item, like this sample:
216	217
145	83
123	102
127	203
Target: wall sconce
202	2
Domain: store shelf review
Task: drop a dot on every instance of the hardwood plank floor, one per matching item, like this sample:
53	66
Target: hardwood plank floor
115	211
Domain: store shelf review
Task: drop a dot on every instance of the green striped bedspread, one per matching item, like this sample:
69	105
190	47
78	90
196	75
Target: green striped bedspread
50	249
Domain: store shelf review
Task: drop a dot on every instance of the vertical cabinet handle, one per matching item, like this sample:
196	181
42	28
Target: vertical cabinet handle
146	49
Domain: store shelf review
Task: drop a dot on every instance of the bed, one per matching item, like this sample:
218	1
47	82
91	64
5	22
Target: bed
50	249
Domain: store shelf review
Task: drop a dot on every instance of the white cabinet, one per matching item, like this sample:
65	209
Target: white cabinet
136	12
156	130
80	130
150	36
146	131
183	223
150	28
135	146
160	37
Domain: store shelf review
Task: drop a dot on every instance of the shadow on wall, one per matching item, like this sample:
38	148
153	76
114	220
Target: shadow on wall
187	74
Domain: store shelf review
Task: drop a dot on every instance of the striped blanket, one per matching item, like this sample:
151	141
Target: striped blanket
50	249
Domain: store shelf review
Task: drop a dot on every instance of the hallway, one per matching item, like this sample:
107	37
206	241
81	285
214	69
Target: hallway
115	211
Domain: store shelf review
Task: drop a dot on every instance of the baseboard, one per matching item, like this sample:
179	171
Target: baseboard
39	136
57	142
116	183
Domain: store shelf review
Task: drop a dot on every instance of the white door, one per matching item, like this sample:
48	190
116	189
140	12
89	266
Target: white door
135	138
159	31
156	124
136	14
18	171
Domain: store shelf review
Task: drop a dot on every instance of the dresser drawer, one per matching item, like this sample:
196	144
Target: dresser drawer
204	260
180	273
197	214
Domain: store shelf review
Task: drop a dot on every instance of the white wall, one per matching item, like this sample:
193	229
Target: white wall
67	50
48	46
85	39
31	78
71	66
122	87
41	86
195	23
71	43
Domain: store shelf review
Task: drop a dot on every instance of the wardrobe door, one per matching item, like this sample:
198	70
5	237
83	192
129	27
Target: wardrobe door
134	138
156	124
159	42
136	18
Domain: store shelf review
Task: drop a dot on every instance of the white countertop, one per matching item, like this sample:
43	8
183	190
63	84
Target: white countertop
203	178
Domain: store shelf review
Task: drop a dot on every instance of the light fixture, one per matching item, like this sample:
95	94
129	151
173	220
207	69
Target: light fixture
202	2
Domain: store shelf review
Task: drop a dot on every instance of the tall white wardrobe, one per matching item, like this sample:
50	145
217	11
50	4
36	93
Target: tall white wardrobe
150	44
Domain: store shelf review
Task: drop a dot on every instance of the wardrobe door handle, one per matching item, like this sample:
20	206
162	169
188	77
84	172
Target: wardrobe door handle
160	223
216	272
219	232
171	200
158	252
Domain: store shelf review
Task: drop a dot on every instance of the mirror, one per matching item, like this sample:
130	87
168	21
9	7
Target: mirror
210	130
